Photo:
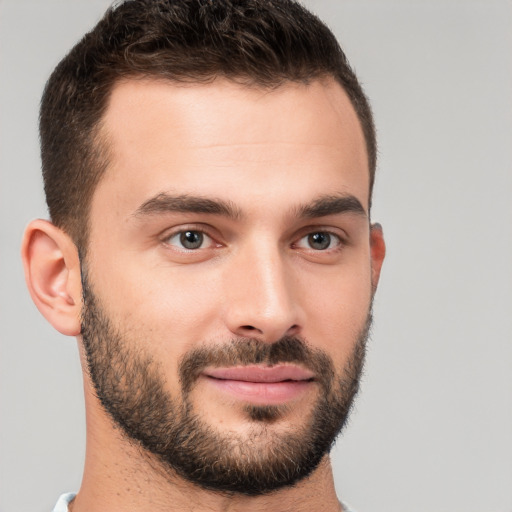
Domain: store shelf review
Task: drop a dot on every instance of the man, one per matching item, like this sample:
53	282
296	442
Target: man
208	169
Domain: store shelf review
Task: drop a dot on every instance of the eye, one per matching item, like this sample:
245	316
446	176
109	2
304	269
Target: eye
319	241
189	239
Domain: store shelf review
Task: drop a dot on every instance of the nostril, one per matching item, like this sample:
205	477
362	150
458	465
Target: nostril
249	327
293	330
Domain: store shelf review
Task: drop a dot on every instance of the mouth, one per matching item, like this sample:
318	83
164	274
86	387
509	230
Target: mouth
261	385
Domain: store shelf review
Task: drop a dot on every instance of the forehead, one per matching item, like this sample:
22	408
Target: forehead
226	138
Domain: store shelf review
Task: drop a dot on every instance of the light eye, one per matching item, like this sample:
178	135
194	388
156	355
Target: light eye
189	239
319	241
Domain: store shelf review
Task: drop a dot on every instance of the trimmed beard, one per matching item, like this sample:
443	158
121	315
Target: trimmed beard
131	387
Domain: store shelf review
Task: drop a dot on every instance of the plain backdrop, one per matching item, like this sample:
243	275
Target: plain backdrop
432	429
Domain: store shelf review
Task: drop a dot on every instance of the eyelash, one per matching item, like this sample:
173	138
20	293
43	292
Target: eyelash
339	240
166	239
331	236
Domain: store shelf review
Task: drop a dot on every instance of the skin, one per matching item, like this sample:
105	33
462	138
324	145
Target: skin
268	155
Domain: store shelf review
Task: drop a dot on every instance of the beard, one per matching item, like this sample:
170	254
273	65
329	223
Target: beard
130	385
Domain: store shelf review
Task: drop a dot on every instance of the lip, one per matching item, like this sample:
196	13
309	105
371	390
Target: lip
261	385
254	373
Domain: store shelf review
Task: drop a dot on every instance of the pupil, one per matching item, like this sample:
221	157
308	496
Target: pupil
191	239
319	241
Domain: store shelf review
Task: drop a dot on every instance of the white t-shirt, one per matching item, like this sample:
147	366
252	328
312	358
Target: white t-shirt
64	501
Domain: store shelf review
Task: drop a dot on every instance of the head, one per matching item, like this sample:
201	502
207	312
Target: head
208	169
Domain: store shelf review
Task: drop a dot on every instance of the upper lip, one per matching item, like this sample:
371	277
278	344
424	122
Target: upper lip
277	373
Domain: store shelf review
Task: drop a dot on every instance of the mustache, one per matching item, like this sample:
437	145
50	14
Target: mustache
252	351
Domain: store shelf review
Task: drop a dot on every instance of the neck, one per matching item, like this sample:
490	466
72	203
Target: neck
140	486
120	476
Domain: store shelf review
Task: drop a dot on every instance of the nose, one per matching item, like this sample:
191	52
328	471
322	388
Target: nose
262	296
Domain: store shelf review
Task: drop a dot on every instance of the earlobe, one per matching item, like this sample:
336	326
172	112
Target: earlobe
52	272
378	252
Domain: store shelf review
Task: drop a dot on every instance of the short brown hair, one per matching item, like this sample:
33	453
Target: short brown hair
257	42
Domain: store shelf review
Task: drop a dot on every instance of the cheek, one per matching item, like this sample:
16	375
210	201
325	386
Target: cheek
338	310
170	305
186	304
162	314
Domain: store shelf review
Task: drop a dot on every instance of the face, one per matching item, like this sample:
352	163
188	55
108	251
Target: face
228	279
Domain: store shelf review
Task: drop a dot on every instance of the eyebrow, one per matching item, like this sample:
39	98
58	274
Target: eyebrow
331	205
186	203
320	207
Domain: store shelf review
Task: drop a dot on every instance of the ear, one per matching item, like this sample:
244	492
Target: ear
52	272
378	252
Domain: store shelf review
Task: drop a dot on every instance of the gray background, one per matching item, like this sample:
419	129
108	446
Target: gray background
432	430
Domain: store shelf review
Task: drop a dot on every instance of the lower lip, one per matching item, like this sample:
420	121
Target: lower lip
262	393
